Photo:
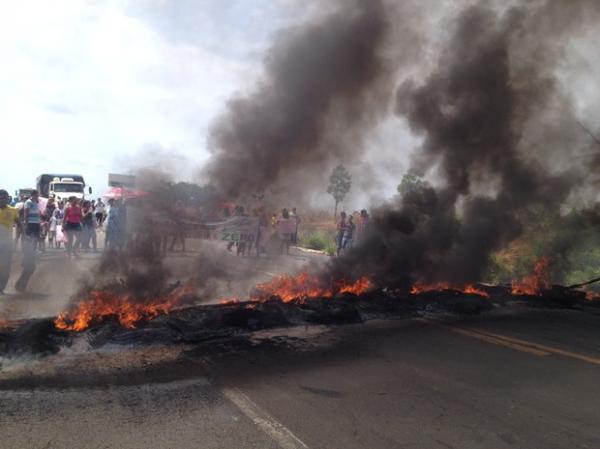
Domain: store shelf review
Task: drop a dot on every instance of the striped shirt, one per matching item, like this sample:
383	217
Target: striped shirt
34	211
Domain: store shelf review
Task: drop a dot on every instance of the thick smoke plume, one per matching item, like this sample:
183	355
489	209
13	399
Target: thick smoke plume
493	119
324	82
488	113
484	112
493	82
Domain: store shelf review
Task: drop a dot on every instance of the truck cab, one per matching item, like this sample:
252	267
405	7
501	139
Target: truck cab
65	188
62	187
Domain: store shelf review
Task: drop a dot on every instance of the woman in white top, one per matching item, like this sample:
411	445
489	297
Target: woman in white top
100	212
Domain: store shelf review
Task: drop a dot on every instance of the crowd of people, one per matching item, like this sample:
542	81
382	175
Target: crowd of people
349	228
287	228
282	228
71	226
54	223
50	224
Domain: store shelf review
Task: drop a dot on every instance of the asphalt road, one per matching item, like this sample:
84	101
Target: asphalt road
514	379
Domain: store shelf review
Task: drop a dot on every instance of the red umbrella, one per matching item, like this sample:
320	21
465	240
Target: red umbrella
124	193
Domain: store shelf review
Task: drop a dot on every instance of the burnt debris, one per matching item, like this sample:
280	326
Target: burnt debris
211	323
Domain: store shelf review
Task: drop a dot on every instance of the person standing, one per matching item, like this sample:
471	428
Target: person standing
286	227
72	226
45	216
362	225
100	212
296	218
19	228
88	224
107	212
238	211
59	215
32	226
32	216
116	223
348	233
9	217
52	225
49	210
341	229
263	230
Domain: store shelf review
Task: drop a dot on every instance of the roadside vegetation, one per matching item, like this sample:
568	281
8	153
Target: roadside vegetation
318	240
571	241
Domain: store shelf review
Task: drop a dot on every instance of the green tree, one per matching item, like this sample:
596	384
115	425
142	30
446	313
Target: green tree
411	183
340	182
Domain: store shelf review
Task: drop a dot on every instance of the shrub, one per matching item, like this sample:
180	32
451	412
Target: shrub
317	240
330	247
572	242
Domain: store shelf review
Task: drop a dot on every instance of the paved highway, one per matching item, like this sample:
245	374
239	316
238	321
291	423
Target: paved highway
514	379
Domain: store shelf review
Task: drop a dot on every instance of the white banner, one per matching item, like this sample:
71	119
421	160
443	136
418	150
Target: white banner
238	229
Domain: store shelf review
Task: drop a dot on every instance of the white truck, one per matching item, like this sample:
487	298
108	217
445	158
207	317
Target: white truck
61	186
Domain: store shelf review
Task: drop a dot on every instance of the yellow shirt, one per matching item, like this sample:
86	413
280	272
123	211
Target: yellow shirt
8	216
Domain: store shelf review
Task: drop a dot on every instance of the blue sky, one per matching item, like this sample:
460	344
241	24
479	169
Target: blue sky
87	85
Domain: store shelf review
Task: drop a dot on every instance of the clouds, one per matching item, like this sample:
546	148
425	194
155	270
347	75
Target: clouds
84	82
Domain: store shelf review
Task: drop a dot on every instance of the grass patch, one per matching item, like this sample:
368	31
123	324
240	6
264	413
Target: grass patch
318	240
330	248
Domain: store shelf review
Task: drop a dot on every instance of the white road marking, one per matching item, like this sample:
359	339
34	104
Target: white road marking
281	434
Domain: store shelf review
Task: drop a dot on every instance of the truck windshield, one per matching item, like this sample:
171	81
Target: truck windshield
68	187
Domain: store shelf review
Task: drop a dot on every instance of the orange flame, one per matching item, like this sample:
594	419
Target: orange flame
357	288
229	301
471	289
101	304
592	296
535	283
289	288
440	286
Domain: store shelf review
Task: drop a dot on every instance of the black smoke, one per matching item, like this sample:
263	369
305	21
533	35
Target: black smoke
323	85
489	109
493	82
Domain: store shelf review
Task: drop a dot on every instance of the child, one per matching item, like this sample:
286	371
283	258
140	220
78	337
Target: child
43	234
59	214
52	225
